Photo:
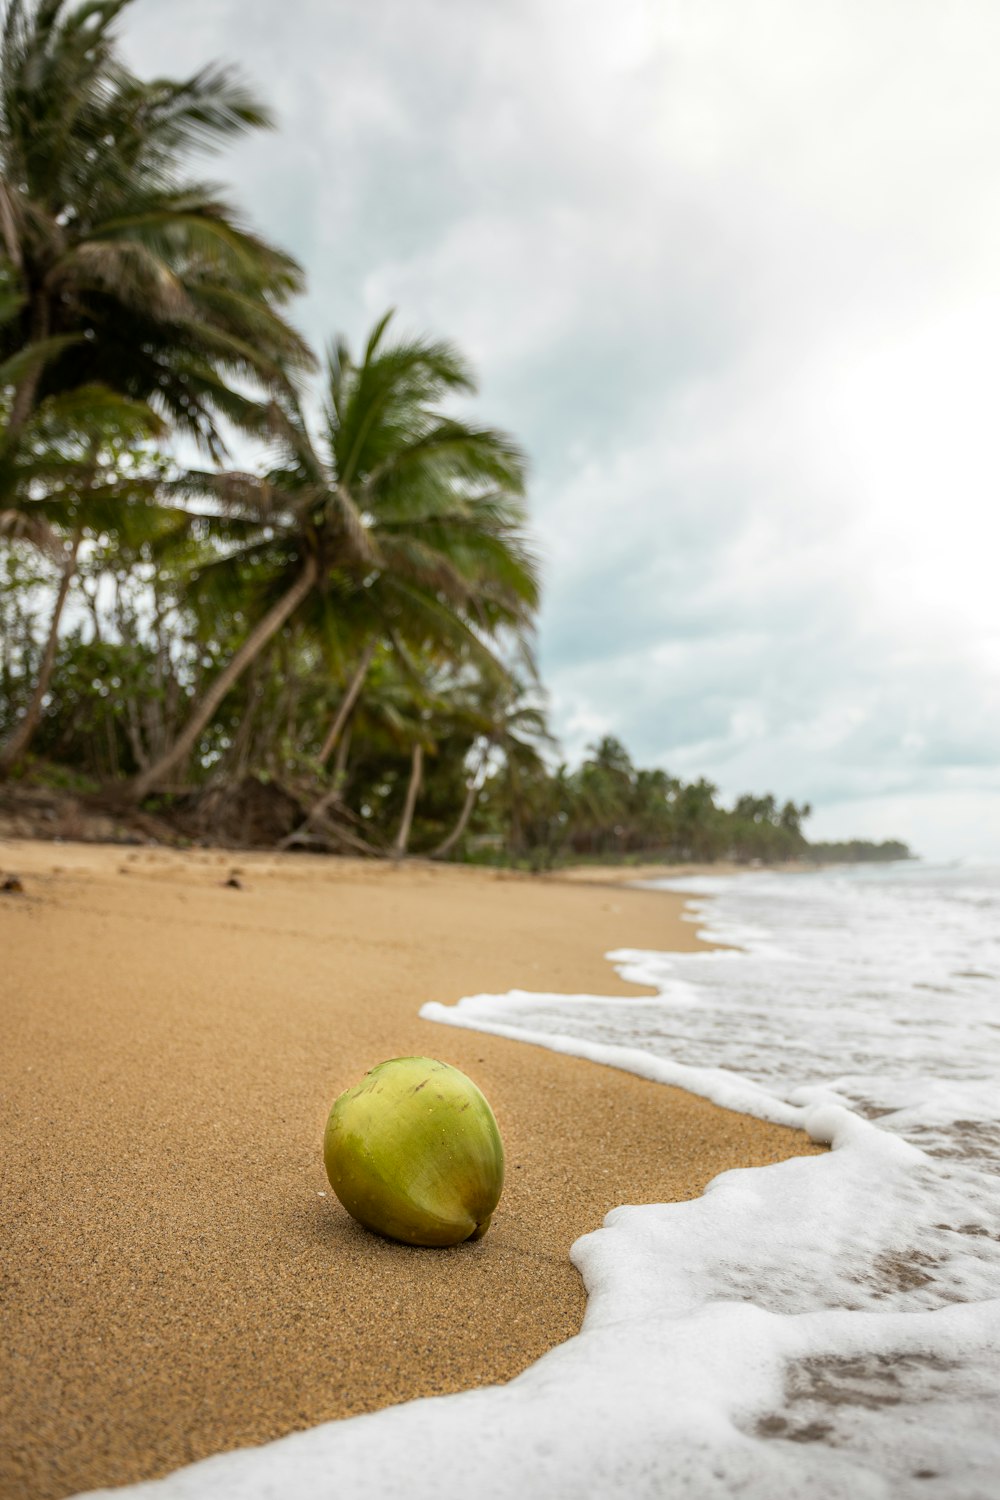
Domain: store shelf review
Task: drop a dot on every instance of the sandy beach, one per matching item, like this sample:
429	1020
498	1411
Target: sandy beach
178	1277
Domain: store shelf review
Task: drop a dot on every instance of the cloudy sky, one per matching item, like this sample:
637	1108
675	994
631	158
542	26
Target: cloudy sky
730	271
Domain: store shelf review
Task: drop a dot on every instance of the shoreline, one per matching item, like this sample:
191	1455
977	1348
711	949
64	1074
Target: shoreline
184	1281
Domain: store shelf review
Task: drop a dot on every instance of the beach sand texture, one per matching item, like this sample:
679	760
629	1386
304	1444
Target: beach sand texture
178	1278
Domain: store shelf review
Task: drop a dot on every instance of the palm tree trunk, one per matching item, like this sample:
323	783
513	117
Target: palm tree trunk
19	741
238	757
255	642
340	761
23	735
347	702
330	797
416	775
514	832
471	798
335	737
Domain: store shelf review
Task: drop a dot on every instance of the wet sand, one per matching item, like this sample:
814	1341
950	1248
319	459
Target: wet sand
177	1277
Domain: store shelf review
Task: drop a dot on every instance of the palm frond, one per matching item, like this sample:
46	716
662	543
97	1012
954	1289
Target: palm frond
9	232
202	112
25	526
129	271
92	413
116	241
204	236
458	452
33	356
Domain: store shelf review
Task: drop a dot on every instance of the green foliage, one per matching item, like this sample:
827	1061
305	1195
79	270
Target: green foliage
83	722
133	275
142	647
415	518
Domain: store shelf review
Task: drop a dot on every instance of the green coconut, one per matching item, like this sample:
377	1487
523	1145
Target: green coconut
413	1152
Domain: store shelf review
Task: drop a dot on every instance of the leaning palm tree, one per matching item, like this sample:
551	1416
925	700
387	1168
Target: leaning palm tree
135	275
412	515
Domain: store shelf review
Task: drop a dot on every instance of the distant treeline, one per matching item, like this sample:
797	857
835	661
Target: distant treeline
857	852
610	810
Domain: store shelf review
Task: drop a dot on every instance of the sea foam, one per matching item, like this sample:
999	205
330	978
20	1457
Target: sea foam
824	1327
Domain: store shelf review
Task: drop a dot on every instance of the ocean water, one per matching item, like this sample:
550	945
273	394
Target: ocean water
823	1327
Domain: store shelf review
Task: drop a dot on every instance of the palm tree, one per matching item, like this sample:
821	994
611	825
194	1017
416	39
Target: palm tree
407	517
603	784
397	722
697	819
59	474
655	793
506	721
130	276
134	275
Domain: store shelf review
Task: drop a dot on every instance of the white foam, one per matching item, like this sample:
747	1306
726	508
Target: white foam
825	1327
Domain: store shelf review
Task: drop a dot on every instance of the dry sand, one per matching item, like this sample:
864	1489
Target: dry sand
177	1278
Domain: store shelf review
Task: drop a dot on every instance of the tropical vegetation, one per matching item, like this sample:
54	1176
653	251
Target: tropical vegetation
327	647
